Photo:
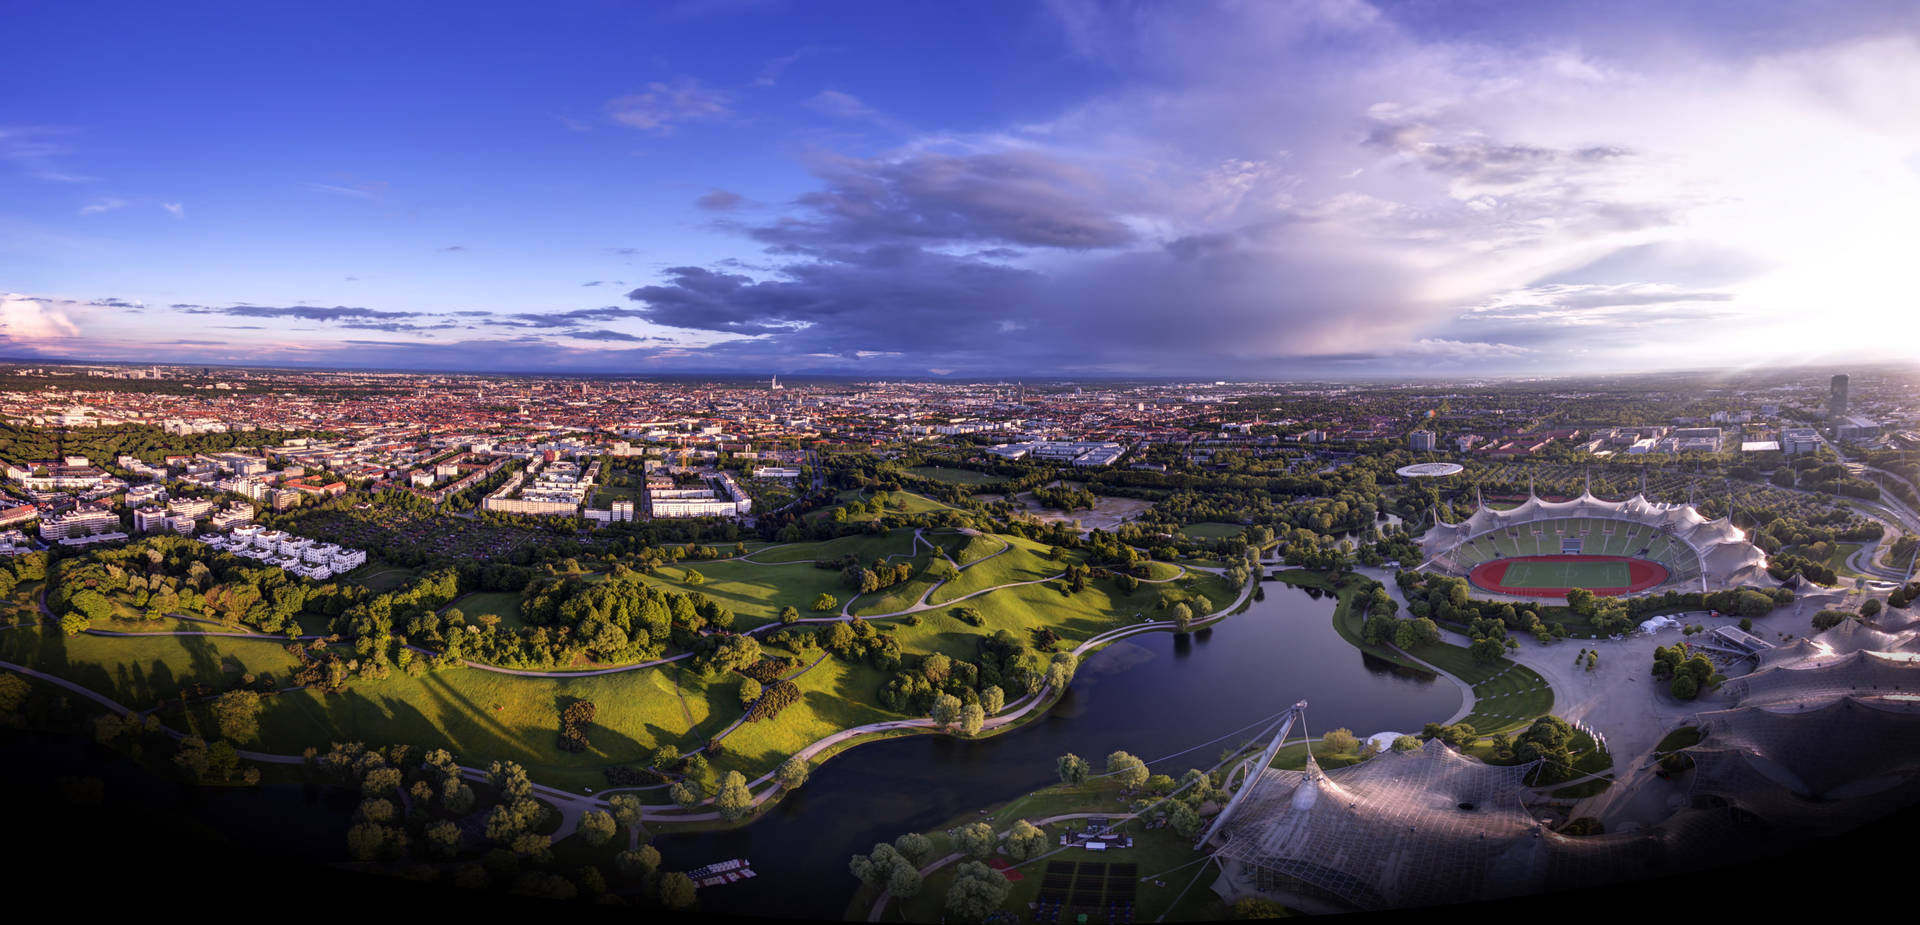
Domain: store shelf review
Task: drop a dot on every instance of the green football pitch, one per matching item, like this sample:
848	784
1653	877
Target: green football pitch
1537	574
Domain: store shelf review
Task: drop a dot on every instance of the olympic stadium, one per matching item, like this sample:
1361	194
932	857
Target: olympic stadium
1546	548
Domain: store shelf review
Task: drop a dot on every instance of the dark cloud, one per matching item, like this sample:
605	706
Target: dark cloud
594	283
453	247
568	319
1022	198
720	201
603	334
396	327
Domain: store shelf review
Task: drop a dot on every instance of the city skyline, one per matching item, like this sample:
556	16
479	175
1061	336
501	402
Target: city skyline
1271	191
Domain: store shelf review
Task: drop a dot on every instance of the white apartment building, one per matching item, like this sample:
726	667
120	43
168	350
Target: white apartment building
80	521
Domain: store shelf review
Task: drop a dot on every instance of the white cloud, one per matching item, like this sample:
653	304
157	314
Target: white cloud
661	106
175	209
22	317
102	205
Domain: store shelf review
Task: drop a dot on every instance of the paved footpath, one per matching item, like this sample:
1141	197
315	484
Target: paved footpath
573	806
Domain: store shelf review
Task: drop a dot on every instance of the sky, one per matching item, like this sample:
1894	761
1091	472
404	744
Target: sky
1264	189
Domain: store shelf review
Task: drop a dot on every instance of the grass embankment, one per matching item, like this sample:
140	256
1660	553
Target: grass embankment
1024	560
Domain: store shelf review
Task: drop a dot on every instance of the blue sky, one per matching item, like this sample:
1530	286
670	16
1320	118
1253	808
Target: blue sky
1252	189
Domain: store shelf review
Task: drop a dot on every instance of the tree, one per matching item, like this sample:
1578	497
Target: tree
1685	687
1256	907
73	623
1183	819
915	847
1025	840
1379	629
1131	772
685	794
792	772
1341	741
992	699
638	862
976	892
904	881
597	827
791	615
238	715
972	718
946	710
1406	744
975	840
749	691
734	800
1487	650
444	838
13	694
626	809
1073	769
825	602
1060	669
676	890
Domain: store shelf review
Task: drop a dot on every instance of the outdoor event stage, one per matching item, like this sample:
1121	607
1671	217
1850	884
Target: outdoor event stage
1554	576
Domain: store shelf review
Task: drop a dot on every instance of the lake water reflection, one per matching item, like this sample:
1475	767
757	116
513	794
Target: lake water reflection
1153	695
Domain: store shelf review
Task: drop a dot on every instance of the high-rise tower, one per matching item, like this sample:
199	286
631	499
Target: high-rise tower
1837	402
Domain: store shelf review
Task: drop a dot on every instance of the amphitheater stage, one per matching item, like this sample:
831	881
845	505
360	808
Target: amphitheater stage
1554	576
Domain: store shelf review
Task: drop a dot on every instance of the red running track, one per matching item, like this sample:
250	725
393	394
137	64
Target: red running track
1641	573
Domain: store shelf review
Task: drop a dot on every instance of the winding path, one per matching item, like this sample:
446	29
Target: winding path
572	807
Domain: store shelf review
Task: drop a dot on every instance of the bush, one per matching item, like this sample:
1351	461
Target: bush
773	698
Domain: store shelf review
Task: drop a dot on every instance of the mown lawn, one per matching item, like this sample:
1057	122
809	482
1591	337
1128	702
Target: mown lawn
1212	530
139	672
754	592
483	715
954	476
867	548
377	576
502	604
